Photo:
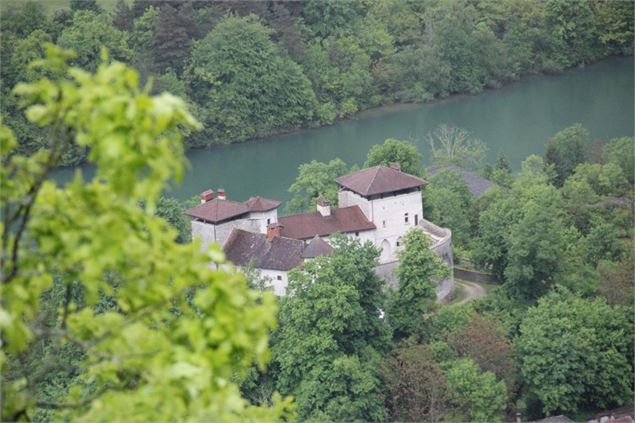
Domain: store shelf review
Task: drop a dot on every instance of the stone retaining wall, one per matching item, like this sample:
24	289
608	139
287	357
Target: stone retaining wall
442	245
474	276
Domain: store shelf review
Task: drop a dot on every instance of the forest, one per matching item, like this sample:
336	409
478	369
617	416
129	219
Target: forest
251	69
109	310
555	337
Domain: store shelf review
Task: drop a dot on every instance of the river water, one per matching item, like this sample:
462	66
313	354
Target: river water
516	120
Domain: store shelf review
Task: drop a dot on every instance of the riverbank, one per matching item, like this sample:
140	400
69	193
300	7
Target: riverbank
394	108
515	120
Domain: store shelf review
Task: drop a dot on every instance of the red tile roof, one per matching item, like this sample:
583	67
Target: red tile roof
243	247
305	226
216	210
259	204
379	180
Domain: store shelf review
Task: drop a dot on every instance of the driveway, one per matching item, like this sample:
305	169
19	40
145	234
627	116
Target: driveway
472	291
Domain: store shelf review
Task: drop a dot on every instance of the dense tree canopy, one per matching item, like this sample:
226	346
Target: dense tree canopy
477	395
416	387
575	351
245	86
142	329
318	61
396	151
332	318
536	237
315	180
449	203
566	150
104	316
419	270
88	33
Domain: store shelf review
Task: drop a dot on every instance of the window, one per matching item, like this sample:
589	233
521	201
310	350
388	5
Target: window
398	242
405	218
268	222
383	223
279	277
356	233
416	219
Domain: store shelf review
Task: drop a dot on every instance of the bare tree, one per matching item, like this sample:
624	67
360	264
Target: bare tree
454	145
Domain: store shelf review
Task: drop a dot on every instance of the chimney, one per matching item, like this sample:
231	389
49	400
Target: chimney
324	207
273	231
396	166
518	414
221	194
207	196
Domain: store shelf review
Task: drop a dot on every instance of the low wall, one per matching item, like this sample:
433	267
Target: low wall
444	288
474	276
442	245
386	271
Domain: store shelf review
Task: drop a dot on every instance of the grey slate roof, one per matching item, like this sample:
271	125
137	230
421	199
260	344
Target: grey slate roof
379	180
475	183
316	247
243	247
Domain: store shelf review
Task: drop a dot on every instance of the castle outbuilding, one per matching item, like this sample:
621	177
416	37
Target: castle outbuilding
379	204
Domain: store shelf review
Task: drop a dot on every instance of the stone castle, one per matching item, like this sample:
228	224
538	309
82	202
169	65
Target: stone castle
379	204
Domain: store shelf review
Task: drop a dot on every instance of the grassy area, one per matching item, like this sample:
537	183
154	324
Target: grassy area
459	294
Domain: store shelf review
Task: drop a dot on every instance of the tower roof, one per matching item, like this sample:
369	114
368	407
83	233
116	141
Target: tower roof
379	180
259	204
217	210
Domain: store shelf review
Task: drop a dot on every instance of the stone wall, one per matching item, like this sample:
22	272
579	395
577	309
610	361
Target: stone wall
474	276
442	245
278	280
209	233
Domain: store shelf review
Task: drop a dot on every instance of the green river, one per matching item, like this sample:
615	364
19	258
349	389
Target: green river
516	120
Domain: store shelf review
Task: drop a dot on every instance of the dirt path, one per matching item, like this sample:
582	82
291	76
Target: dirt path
471	290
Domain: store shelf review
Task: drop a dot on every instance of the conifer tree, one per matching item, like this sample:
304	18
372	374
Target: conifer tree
122	16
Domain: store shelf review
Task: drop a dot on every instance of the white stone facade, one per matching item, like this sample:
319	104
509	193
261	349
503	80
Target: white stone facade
278	280
253	222
393	215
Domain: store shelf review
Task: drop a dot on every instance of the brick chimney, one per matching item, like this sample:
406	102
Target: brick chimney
207	196
395	166
323	207
273	230
221	194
